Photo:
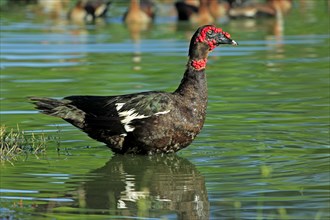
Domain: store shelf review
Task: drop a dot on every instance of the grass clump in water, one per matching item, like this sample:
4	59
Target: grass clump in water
15	143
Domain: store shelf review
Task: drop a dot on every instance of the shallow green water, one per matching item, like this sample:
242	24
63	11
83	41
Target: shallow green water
263	152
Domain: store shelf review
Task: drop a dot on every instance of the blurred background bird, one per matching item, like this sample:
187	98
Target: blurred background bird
270	8
89	10
140	11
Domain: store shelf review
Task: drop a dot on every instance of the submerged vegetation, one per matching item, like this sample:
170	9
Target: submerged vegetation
15	143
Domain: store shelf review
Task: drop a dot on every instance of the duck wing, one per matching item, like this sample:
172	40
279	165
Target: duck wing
117	114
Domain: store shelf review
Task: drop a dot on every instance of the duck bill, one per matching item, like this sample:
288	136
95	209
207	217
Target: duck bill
224	40
234	43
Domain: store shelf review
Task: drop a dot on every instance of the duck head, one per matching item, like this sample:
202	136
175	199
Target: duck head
206	38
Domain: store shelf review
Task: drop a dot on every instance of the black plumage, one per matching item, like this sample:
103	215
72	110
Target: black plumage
147	122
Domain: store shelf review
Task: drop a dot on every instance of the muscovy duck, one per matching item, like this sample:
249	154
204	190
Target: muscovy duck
146	122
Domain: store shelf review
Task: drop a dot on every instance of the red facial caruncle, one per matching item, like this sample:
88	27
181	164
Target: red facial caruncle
199	64
212	42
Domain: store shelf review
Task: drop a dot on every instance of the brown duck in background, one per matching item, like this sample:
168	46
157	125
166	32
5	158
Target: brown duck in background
54	9
89	10
269	9
205	11
140	11
283	6
218	9
203	16
139	17
197	12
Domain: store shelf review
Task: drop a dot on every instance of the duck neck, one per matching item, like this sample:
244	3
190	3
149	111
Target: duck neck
135	5
194	82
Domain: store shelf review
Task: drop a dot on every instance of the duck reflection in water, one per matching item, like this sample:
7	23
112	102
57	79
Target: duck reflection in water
149	187
144	186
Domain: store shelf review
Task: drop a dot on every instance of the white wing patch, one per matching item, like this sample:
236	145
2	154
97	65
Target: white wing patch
130	115
119	106
162	113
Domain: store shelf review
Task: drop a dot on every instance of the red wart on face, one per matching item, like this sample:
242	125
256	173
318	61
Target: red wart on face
209	30
199	64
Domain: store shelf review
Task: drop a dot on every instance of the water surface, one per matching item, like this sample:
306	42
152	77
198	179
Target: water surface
263	152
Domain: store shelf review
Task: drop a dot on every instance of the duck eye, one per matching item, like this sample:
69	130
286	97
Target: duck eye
209	31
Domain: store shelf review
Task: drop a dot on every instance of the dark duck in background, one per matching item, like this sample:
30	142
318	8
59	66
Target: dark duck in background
89	10
186	8
146	122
